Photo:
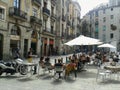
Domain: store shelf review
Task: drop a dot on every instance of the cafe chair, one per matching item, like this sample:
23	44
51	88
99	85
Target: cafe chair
103	74
58	68
48	68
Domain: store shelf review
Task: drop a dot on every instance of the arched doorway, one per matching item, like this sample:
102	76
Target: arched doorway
34	41
1	46
15	39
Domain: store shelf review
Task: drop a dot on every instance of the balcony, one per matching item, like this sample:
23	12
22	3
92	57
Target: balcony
68	23
63	35
63	18
17	13
96	23
49	32
46	12
70	36
37	2
36	20
78	26
53	2
53	17
78	18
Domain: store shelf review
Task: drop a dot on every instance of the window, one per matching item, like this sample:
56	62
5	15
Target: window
63	3
111	16
17	3
104	28
35	12
96	13
52	29
104	19
104	37
90	16
111	35
104	11
111	9
52	10
96	28
45	4
15	30
2	13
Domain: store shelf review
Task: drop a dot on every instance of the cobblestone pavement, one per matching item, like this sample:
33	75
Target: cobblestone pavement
86	80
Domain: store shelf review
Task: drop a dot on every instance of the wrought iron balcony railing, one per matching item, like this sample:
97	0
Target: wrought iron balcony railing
53	2
17	13
96	23
49	31
53	16
68	22
36	20
37	2
46	11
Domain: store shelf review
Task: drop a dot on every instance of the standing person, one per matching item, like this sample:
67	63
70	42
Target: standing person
30	55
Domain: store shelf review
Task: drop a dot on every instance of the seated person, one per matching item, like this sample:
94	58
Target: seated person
59	64
71	67
104	59
68	59
116	58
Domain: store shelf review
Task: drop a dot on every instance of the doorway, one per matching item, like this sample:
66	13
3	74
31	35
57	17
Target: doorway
1	47
25	47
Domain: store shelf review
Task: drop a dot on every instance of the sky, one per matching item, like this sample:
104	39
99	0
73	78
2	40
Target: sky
87	5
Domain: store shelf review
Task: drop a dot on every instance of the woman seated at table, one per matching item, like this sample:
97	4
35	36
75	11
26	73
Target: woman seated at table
71	67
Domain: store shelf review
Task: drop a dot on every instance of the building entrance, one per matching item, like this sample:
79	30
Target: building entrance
1	47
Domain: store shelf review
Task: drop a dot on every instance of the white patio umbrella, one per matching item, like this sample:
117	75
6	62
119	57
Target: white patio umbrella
107	45
83	40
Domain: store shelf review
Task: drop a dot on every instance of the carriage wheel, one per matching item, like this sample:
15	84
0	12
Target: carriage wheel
23	69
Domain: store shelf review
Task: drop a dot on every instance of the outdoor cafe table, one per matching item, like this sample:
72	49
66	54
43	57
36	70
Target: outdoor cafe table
113	69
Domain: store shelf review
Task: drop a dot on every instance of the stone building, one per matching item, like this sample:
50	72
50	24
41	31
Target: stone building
38	24
68	23
103	23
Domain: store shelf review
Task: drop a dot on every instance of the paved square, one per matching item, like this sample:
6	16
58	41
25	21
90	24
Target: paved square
86	80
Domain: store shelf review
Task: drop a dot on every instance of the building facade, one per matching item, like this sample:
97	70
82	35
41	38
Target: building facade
114	2
104	23
68	13
43	25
